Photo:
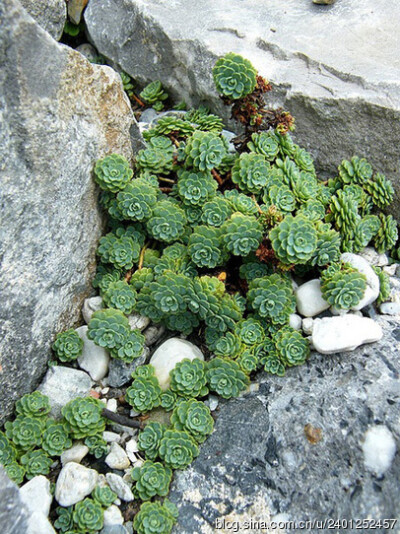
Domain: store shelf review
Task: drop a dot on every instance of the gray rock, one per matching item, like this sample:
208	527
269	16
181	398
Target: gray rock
13	512
120	487
373	257
90	306
152	334
50	15
75	482
94	359
36	495
331	90
87	50
62	384
120	373
258	462
138	321
59	114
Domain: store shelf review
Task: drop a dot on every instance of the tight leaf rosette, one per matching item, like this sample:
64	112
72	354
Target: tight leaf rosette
167	222
131	349
112	173
64	521
196	188
292	347
88	515
154	95
241	234
137	200
342	286
36	463
97	445
250	331
215	212
68	345
264	143
150	438
8	452
33	405
25	432
234	76
155	518
387	234
108	328
294	240
15	472
188	378
178	449
357	171
152	478
144	394
121	296
272	297
194	417
104	495
204	151
226	378
205	247
228	345
380	190
250	172
83	417
56	438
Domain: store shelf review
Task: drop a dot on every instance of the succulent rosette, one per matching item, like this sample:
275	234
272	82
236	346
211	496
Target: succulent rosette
194	417
151	479
204	151
68	346
177	449
88	515
108	328
234	76
226	378
113	173
188	378
272	297
250	172
155	518
83	417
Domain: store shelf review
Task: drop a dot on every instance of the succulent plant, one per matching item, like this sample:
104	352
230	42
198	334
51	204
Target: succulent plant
33	405
273	365
248	361
154	95
126	82
108	328
313	209
194	417
122	251
292	347
227	314
177	449
150	438
366	229
25	432
294	240
105	274
167	222
137	200
357	171
328	246
131	349
250	172
216	211
104	496
144	371
88	515
241	234
154	161
15	471
205	247
387	235
264	143
272	297
384	285
282	197
112	173
195	188
250	331
168	400
188	378
8	452
121	296
97	445
226	378
151	479
228	345
144	394
344	215
83	416
303	160
254	269
35	463
155	518
68	346
64	522
343	286
234	76
167	125
55	438
207	123
204	150
141	277
240	202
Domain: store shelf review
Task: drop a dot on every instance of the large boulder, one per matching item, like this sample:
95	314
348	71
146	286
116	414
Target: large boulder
336	68
296	449
59	114
50	15
14	513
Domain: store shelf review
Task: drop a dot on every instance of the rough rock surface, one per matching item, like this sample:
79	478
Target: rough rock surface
58	115
50	15
334	92
13	513
259	462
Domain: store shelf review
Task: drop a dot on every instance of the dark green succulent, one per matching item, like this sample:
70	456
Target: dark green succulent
97	445
384	285
228	345
68	346
343	213
205	247
188	378
126	82
328	246
226	378
105	274
154	95
194	417
108	328
15	471
248	361
141	277
387	235
144	371
112	173
167	222
215	212
122	251
343	286
304	160
64	522
250	331
151	479
234	76
241	234
250	172
33	404
168	400
204	151
169	125
131	349
137	200
121	296
84	417
313	209
240	202
273	365
294	240
254	269
281	197
88	515
177	449
25	432
154	161
55	438
144	394
150	438
357	171
35	463
292	347
196	188
155	518
8	452
207	123
366	229
228	313
264	143
104	496
272	297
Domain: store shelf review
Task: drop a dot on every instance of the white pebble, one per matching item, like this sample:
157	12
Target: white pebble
111	436
94	359
117	458
90	306
120	487
212	402
295	321
131	448
390	308
310	301
75	454
112	405
138	321
379	448
74	483
36	495
113	516
391	269
307	325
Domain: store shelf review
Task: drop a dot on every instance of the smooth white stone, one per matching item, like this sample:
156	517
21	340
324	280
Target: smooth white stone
111	436
295	321
74	483
39	524
390	308
339	334
113	516
337	312
117	458
310	301
138	321
112	405
391	269
74	454
120	487
379	449
36	495
131	448
91	305
373	257
168	354
94	359
362	265
307	325
104	391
